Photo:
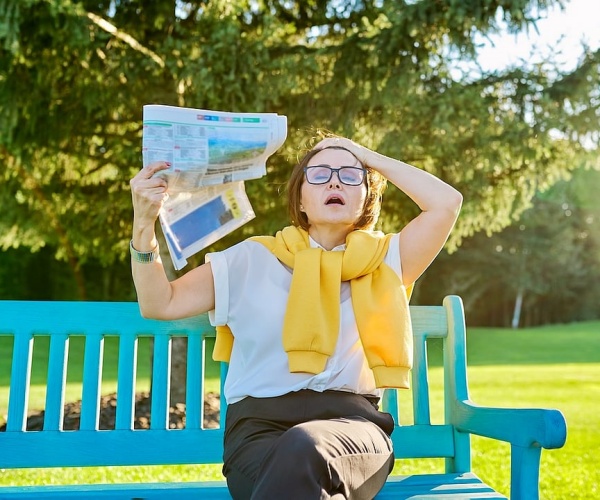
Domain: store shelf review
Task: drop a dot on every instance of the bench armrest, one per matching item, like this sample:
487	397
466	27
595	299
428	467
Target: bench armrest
525	427
528	430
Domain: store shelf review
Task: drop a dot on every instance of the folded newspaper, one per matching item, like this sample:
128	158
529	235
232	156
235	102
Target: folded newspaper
211	153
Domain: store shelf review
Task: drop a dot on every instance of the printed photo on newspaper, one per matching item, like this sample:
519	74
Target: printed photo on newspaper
211	154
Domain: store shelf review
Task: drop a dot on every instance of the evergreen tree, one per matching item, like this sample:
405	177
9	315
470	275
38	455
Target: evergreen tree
74	76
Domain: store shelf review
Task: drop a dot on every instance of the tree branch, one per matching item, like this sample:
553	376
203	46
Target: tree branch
125	37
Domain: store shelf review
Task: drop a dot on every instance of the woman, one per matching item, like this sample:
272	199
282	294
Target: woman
314	321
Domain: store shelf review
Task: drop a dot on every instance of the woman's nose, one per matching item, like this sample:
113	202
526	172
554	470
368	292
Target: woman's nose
335	179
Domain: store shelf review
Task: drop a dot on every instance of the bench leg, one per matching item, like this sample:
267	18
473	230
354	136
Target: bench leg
525	472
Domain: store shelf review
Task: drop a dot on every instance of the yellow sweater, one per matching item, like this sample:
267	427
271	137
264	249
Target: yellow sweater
311	322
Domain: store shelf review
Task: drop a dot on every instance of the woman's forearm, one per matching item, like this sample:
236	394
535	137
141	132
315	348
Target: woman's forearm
425	235
158	298
151	283
427	191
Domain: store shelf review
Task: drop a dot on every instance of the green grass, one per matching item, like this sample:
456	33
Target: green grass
553	367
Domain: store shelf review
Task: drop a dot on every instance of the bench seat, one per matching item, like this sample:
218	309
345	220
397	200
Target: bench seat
422	487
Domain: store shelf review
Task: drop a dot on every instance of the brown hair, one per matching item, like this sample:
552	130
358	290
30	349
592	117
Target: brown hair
376	184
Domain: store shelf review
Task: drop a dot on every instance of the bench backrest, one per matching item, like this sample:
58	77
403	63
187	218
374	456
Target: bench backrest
23	323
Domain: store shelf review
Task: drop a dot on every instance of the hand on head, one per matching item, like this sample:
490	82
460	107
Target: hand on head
342	142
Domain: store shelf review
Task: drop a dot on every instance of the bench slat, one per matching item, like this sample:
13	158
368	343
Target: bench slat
124	447
194	410
92	381
161	374
422	487
126	383
55	387
431	321
465	486
420	383
19	382
213	490
389	403
55	448
122	318
423	441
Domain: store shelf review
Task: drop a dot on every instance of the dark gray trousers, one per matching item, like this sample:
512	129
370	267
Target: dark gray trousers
307	445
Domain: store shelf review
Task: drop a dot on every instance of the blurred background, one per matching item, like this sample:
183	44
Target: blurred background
500	98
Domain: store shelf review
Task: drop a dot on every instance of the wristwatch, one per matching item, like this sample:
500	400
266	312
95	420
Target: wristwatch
143	257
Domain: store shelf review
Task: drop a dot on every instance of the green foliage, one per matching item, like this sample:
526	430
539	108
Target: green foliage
74	76
550	257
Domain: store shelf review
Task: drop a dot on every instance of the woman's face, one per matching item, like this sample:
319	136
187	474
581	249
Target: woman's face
333	203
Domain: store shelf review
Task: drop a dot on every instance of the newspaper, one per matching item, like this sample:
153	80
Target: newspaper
211	154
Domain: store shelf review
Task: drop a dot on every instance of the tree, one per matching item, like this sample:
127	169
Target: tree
545	268
381	72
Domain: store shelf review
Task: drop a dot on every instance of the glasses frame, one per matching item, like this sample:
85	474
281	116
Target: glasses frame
337	171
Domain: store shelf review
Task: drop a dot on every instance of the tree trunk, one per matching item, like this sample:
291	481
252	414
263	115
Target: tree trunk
178	370
517	310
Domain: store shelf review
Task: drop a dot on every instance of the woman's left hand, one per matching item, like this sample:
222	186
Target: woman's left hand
342	142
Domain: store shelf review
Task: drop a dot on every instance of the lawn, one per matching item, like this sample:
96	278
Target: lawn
555	366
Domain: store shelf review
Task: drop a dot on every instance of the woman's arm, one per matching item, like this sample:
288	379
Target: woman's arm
158	298
423	237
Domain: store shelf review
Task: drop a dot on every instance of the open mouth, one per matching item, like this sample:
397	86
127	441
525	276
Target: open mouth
334	200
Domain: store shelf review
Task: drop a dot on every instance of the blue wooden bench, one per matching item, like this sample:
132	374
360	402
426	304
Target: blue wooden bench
527	430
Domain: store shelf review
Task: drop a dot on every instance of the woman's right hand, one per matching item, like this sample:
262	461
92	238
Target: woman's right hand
158	298
148	193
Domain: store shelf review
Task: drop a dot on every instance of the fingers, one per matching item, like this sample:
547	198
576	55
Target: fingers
342	142
146	179
330	141
149	191
150	170
153	168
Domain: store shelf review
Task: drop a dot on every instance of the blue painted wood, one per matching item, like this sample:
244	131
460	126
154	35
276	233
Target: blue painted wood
423	441
161	378
222	402
92	381
105	447
389	403
428	487
527	430
194	408
437	487
149	491
154	447
57	373
524	473
19	382
420	382
126	383
455	381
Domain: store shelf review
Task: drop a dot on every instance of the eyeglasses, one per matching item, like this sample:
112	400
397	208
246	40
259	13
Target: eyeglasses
321	174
